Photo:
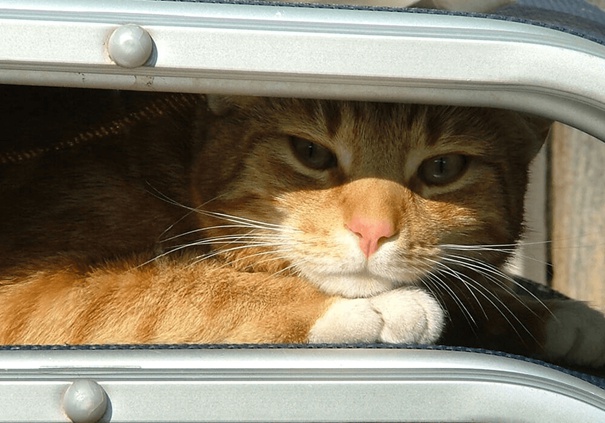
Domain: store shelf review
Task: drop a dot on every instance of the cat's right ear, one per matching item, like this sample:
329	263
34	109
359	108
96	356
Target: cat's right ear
541	127
222	104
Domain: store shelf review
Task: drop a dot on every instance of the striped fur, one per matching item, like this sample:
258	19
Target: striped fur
279	220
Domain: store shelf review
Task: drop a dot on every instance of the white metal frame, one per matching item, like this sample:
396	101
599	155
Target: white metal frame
318	52
296	385
303	52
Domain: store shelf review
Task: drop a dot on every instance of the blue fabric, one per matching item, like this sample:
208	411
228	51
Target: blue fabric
576	17
578	8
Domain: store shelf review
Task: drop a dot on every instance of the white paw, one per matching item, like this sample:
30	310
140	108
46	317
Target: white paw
398	316
409	316
576	335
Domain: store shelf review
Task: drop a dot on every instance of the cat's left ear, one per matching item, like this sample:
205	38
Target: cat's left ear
220	105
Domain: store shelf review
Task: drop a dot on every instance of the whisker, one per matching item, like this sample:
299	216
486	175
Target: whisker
227	217
482	271
248	240
238	248
434	279
271	253
200	230
570	243
288	268
495	302
494	274
493	248
496	247
251	223
237	238
161	196
442	268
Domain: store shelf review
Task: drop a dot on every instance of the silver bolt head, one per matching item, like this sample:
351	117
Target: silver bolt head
85	401
130	46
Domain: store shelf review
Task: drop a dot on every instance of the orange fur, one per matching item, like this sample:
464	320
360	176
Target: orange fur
213	225
165	302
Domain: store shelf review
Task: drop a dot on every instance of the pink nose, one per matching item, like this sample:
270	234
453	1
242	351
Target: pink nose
371	233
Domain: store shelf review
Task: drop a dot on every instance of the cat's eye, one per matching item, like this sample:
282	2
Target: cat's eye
312	155
442	170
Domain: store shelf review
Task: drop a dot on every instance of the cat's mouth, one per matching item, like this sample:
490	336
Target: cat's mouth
358	284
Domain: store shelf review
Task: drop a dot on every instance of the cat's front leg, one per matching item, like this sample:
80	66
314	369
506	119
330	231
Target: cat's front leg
406	315
575	334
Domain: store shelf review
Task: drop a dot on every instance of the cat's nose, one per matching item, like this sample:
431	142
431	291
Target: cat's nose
371	232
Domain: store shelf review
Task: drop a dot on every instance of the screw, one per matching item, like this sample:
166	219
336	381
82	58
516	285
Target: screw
130	46
85	401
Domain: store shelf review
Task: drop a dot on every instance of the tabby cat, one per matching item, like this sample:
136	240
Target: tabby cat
271	220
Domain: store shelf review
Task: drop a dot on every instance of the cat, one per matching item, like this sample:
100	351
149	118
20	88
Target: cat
277	220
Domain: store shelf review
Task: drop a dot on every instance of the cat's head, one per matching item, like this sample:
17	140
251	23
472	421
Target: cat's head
359	197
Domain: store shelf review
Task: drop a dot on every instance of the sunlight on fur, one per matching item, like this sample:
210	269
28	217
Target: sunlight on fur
258	220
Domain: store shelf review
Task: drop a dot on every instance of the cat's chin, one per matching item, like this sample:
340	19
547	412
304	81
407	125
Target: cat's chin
355	285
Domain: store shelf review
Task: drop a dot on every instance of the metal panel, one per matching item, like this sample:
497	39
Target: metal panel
301	51
387	385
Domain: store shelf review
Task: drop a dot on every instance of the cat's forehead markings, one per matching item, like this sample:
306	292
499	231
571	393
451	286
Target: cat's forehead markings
340	133
463	144
332	117
344	156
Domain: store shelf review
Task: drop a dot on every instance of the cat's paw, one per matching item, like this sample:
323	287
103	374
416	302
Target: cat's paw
576	335
409	316
398	316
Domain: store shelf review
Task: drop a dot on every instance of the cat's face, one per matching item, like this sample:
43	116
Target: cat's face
360	198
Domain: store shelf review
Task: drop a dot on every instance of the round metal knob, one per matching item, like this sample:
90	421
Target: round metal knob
130	46
85	401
